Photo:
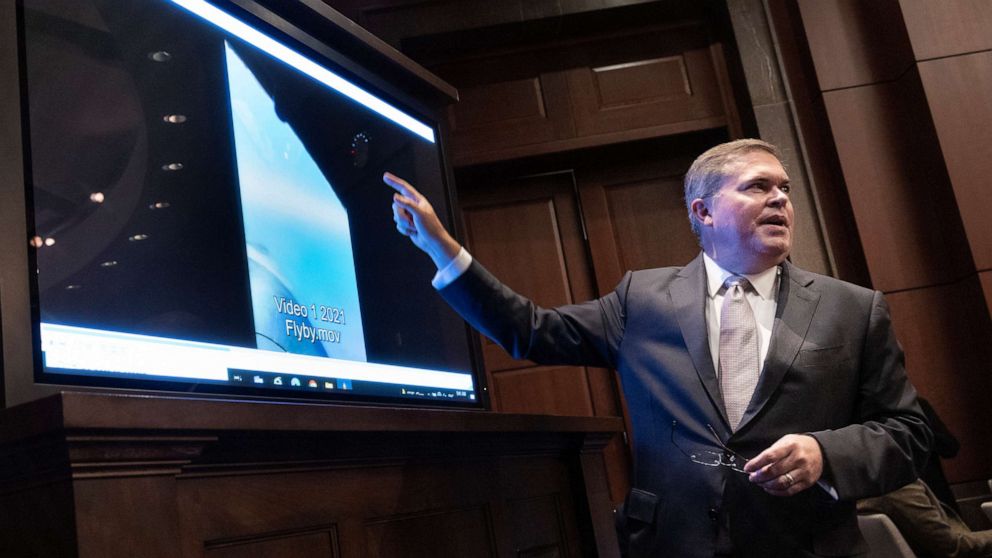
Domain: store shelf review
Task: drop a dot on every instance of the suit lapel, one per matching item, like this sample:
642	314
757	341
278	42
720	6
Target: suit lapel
796	305
688	295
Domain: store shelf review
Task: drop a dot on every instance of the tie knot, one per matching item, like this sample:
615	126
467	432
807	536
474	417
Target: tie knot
736	281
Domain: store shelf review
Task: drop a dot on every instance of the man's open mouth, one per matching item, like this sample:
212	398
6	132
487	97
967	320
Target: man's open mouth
777	220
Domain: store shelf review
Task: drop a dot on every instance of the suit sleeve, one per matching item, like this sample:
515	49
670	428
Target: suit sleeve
578	334
888	446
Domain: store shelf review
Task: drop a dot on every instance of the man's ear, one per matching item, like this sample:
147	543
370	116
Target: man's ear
701	212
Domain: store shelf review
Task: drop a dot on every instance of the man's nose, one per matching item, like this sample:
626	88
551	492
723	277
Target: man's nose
777	198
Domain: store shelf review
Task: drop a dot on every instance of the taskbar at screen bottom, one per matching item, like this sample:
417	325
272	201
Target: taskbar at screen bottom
100	356
255	383
313	384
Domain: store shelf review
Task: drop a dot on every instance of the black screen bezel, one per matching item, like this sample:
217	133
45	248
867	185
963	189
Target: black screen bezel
40	383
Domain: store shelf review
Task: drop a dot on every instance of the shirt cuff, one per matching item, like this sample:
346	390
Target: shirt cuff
447	274
828	488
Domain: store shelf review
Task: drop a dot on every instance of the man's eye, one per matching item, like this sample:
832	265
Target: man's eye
785	188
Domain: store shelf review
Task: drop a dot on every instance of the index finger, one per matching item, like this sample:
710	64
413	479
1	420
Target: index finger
400	185
764	458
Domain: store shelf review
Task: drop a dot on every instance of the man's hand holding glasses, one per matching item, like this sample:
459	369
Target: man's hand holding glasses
789	466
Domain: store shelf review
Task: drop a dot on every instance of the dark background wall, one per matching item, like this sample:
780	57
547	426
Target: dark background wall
578	117
902	89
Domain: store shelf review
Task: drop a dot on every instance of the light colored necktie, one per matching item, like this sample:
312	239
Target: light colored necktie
739	351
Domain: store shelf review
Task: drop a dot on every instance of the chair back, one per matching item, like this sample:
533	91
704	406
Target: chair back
884	539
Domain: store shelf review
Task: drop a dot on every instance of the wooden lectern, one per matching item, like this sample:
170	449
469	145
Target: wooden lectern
106	475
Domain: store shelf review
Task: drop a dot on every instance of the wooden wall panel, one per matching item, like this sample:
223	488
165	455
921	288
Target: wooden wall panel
399	502
101	501
948	27
394	20
555	390
958	90
256	511
124	476
853	42
906	96
319	543
529	233
45	510
946	339
537	531
464	532
635	82
650	223
512	113
898	186
522	231
520	99
632	200
595	89
500	236
645	93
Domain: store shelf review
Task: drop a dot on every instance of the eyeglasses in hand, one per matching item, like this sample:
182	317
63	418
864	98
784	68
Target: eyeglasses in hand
725	458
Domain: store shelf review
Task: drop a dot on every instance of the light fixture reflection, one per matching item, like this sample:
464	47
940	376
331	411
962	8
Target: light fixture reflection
160	56
36	242
159	205
138	237
172	167
97	197
73	287
49	241
174	118
108	263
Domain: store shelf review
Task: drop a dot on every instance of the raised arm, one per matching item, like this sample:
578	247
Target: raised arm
585	333
415	218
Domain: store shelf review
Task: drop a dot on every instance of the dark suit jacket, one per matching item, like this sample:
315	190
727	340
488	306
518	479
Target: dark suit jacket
833	370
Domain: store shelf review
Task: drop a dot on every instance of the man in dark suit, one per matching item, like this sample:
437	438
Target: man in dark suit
764	399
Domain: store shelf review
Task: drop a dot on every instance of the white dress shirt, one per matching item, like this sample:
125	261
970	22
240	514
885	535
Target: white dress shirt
762	298
453	270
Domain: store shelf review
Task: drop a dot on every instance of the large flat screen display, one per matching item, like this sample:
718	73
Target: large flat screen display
208	212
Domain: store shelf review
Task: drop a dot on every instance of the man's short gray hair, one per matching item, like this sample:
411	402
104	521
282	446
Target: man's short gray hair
707	172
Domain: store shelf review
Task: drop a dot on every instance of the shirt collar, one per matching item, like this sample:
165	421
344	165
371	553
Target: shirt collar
763	282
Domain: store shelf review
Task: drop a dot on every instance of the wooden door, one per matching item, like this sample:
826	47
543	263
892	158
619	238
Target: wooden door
528	232
634	208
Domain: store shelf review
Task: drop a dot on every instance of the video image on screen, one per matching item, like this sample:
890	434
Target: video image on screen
292	237
208	211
